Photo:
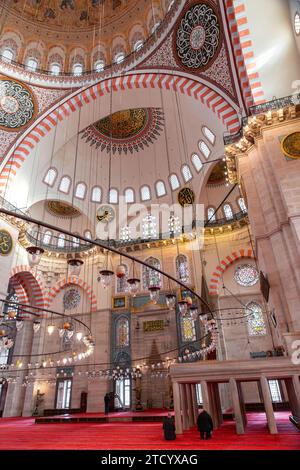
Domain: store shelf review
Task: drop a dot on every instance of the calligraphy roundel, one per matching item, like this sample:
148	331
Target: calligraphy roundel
198	36
6	242
186	197
17	105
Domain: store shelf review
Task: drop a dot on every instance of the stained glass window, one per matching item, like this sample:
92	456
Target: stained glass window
256	323
150	277
188	330
122	281
242	205
211	214
149	227
228	212
122	331
246	275
182	268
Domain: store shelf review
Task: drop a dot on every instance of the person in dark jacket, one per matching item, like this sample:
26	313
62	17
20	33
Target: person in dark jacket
169	428
106	403
205	425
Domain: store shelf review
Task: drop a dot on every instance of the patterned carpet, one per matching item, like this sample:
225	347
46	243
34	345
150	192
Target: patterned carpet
24	434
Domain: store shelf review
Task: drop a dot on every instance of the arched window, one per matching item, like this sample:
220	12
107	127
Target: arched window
145	193
151	278
129	196
61	241
228	211
77	69
160	189
182	268
188	330
256	323
125	234
88	234
242	205
174	182
122	332
99	66
211	214
186	173
50	177
297	23
75	242
80	191
149	227
197	162
7	55
47	237
122	281
119	57
96	194
209	135
204	149
113	196
65	184
31	64
138	45
55	69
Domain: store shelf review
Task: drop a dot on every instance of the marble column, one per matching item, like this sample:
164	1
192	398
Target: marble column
206	397
239	422
177	408
184	407
242	402
195	404
293	391
268	405
217	409
190	405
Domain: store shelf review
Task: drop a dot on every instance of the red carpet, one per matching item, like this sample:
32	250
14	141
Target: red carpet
23	434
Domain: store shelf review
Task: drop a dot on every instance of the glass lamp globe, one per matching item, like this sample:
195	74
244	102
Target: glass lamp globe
36	326
134	285
203	318
34	255
171	301
106	277
50	329
154	293
194	312
75	265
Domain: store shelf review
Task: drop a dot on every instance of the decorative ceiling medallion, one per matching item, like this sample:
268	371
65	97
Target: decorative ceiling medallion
186	197
6	242
198	36
71	298
127	131
17	104
291	145
62	209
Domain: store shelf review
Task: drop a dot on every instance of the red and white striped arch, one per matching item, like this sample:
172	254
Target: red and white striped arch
28	285
72	280
220	269
212	99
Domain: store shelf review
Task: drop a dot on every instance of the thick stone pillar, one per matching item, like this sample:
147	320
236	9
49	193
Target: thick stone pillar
242	403
184	407
206	397
194	401
239	422
217	409
177	408
268	405
293	391
190	405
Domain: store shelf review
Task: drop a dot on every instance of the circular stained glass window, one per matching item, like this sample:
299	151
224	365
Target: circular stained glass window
246	275
71	298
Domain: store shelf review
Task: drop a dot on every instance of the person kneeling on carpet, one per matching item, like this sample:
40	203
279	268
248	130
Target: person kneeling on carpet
169	428
205	425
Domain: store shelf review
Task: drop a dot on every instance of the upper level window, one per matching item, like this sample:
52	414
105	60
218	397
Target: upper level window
145	193
174	182
76	242
47	237
204	149
246	275
242	205
186	173
80	190
32	64
149	226
228	211
150	277
96	194
99	66
61	240
209	135
297	23
256	323
182	268
129	196
65	184
160	189
119	57
7	55
138	45
77	69
55	69
113	196
211	214
50	177
197	162
88	234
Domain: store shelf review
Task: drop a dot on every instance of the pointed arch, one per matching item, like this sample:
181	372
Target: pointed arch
28	285
72	280
224	264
